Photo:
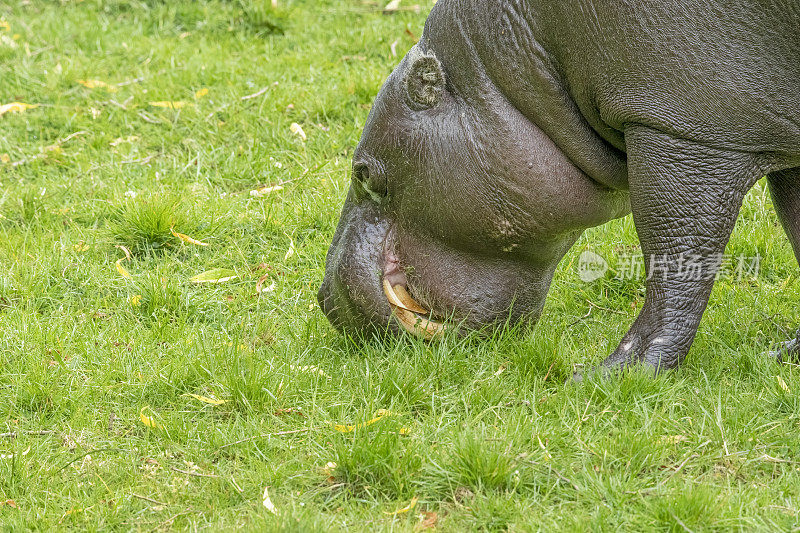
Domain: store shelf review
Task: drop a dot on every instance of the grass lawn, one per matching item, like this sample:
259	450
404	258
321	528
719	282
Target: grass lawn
133	397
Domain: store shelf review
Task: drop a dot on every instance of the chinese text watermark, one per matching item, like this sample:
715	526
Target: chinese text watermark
687	267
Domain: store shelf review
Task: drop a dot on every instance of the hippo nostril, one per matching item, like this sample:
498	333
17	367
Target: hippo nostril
371	178
361	172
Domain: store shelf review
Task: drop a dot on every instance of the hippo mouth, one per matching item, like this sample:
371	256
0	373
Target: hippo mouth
410	313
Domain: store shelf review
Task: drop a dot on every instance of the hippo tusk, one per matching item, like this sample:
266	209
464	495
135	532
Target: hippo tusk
408	311
419	326
398	296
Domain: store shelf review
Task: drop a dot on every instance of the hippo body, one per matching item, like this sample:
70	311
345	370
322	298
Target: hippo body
512	126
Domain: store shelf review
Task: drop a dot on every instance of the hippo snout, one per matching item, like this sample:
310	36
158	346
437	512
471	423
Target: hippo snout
351	306
351	295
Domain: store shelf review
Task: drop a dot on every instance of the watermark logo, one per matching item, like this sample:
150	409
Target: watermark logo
591	266
685	267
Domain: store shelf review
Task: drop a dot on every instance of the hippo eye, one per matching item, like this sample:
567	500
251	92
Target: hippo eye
372	182
425	80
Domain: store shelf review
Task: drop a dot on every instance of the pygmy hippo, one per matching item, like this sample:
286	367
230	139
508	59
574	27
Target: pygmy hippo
514	125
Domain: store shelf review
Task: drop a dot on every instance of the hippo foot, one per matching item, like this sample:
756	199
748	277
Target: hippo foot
652	351
787	352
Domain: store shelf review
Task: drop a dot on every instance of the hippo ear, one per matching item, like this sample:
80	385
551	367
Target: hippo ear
424	80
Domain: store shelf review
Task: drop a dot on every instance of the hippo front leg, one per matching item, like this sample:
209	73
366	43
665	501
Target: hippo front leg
685	200
784	187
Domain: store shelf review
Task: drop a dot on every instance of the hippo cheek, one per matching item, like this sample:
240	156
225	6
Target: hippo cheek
351	295
471	291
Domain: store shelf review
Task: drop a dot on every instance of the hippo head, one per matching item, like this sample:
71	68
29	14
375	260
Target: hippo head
459	209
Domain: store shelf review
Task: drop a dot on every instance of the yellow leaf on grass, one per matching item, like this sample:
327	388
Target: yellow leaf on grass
72	512
124	251
5	158
264	191
4	25
136	301
407	508
97	84
267	502
394	5
297	129
121	269
290	251
783	385
216	275
80	247
379	414
260	285
204	399
170	105
120	140
201	93
186	238
148	421
16	107
328	471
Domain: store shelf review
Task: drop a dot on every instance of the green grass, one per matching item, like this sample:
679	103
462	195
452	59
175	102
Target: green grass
485	434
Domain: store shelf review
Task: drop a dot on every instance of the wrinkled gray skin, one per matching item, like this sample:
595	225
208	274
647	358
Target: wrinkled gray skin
479	169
